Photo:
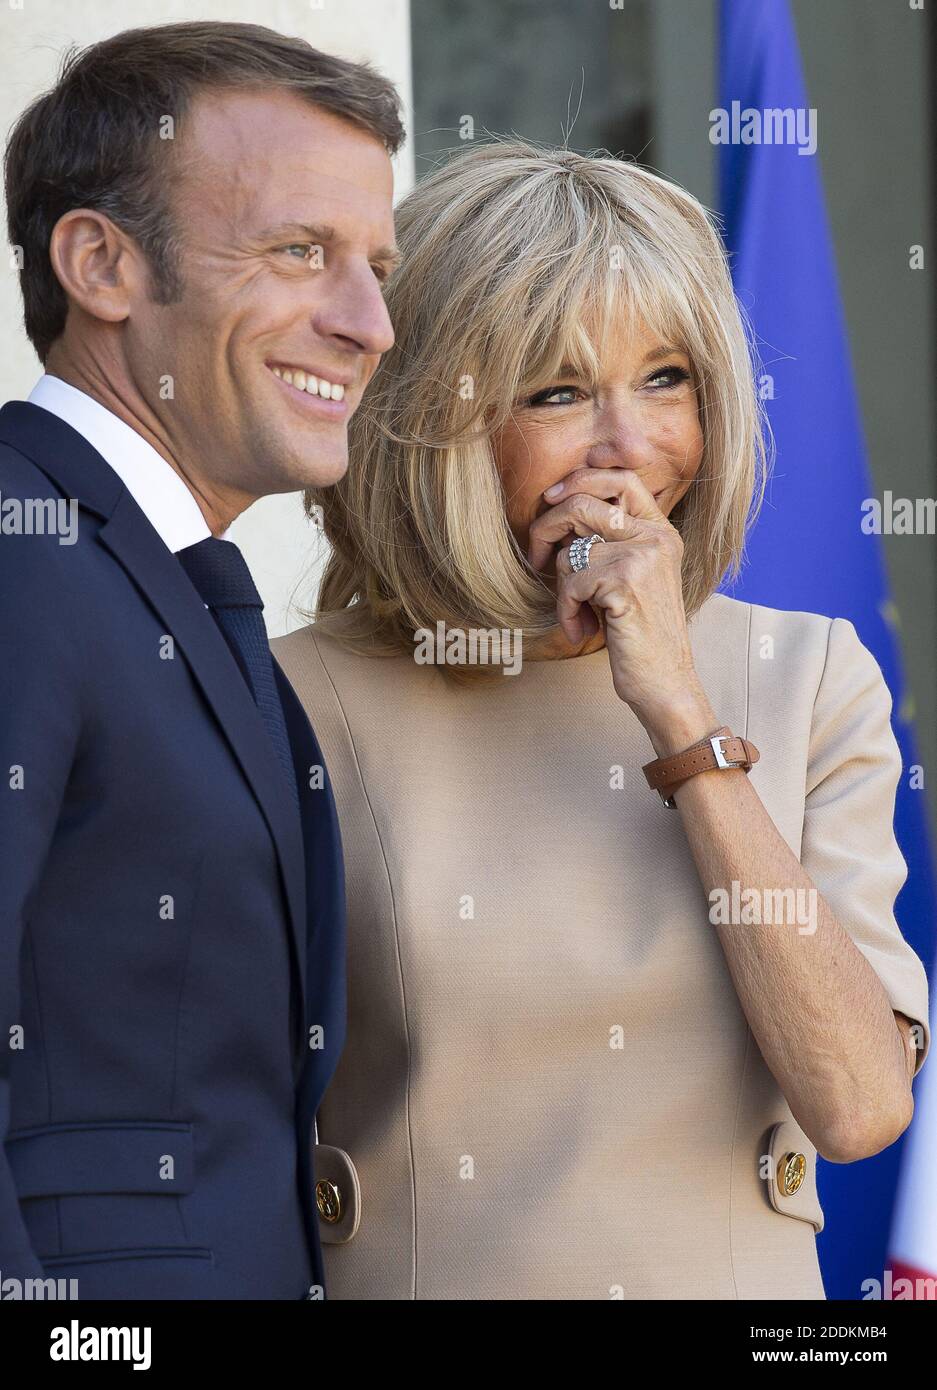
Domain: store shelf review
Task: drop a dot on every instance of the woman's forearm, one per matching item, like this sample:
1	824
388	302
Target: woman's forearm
816	1008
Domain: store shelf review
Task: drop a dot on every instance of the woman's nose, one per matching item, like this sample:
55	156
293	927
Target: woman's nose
623	442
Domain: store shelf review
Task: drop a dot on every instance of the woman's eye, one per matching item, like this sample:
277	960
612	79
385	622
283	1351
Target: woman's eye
550	395
671	376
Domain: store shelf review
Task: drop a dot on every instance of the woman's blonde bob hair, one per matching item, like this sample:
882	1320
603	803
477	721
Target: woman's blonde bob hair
516	260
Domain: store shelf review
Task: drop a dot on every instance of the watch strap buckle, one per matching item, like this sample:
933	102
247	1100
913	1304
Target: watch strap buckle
666	775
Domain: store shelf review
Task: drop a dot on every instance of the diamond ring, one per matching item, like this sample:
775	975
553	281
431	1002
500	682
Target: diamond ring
579	551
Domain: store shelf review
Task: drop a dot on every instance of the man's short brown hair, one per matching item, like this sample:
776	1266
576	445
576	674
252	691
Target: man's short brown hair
94	139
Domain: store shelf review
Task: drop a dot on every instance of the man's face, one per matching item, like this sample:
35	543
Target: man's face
286	222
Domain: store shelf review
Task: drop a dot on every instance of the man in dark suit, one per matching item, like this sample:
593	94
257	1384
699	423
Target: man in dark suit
205	218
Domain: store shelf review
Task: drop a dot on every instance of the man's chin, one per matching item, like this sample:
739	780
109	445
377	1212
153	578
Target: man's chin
326	471
313	468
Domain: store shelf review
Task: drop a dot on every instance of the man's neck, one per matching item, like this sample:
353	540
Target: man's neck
219	511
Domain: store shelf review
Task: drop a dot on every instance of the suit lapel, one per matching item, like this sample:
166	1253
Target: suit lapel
163	583
325	885
325	968
70	461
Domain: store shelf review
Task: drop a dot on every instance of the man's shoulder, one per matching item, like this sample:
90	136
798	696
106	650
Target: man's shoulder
44	534
21	476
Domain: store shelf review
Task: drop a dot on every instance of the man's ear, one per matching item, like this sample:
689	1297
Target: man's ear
907	1037
99	267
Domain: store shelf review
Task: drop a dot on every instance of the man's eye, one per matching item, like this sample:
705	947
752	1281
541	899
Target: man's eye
549	396
305	251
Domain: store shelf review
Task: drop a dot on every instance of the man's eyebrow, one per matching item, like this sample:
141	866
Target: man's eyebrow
321	235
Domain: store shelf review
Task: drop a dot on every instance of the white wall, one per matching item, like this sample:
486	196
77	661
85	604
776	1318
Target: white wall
282	550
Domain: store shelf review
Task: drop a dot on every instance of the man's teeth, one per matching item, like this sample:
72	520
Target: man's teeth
312	385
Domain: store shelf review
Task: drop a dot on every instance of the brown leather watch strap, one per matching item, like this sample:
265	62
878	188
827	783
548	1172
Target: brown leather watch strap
665	775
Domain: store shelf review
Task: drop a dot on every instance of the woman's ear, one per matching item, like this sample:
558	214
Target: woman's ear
97	265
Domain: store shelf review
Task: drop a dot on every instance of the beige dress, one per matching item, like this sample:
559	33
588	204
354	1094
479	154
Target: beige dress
549	1089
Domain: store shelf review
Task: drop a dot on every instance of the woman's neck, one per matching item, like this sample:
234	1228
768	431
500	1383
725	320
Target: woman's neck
559	648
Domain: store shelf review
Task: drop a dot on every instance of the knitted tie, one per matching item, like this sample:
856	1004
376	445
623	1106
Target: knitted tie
220	574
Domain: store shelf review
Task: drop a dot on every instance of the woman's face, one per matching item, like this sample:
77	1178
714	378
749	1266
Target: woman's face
643	415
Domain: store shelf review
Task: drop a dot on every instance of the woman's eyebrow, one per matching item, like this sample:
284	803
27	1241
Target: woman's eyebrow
391	255
665	350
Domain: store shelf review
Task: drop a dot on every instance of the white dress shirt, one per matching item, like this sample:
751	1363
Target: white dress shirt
154	484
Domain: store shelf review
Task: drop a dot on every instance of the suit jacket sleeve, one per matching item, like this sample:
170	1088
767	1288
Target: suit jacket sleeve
849	846
40	653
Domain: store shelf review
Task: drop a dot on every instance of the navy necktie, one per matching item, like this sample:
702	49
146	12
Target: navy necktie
220	574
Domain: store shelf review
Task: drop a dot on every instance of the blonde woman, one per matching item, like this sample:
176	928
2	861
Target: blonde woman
596	1038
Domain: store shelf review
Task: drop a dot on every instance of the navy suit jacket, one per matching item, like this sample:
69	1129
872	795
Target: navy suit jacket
172	980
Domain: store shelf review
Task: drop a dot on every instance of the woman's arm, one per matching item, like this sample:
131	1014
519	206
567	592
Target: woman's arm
817	1009
816	1006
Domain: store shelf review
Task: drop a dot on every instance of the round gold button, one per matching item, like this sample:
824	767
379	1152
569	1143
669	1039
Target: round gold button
792	1169
329	1201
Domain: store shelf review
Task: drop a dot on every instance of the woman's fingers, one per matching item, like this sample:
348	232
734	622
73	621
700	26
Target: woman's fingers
574	592
613	485
574	615
579	514
582	508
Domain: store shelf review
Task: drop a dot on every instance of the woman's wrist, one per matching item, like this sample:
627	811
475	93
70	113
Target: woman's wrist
674	722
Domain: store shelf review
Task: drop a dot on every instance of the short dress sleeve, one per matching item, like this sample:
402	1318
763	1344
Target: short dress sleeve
849	847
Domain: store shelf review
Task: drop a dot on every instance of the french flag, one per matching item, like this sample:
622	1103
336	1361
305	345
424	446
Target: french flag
808	552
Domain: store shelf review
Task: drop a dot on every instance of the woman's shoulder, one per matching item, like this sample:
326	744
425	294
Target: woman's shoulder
311	648
806	635
722	611
791	655
322	667
302	644
368	712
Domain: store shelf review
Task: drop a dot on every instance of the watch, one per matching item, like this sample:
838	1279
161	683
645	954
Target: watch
721	749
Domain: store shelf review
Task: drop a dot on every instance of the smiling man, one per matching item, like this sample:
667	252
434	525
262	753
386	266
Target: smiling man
204	214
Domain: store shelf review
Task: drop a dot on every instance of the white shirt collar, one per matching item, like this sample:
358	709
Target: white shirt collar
154	484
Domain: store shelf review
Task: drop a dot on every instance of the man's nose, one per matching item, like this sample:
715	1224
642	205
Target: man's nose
355	316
